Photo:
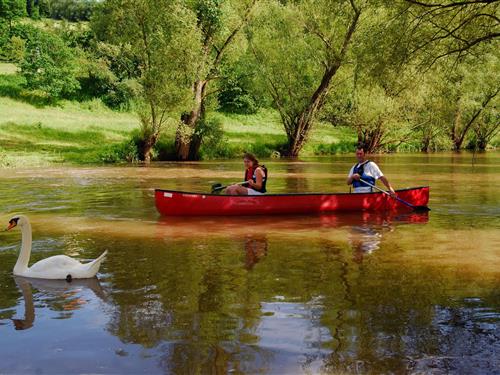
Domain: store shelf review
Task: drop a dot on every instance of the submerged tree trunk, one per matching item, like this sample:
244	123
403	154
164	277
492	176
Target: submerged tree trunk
458	135
187	143
298	129
147	149
303	123
187	140
455	130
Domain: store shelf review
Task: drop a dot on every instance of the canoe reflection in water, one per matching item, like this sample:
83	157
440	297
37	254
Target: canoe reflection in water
58	294
365	229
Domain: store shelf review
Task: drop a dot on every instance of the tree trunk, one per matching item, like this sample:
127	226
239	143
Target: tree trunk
303	123
183	142
147	149
455	130
482	143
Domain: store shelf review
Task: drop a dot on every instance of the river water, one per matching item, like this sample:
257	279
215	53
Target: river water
344	293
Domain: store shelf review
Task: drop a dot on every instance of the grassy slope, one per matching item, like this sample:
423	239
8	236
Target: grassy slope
34	133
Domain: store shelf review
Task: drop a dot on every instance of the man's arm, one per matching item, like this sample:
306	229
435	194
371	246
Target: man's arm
352	176
385	181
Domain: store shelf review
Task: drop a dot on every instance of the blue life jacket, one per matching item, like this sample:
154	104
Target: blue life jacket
254	177
360	169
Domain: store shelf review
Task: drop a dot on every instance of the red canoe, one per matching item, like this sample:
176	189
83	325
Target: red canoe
181	203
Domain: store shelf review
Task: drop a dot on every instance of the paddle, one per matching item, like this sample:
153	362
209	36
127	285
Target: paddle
416	208
218	187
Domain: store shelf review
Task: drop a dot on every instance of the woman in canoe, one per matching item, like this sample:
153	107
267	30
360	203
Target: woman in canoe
255	178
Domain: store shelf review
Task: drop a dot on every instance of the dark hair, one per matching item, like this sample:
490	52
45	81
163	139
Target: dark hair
361	146
251	157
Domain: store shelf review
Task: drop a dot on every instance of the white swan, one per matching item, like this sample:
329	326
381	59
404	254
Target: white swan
56	267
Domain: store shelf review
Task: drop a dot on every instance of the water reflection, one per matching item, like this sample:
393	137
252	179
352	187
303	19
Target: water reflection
59	295
342	293
255	249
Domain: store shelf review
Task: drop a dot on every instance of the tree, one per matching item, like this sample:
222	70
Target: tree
299	48
470	93
219	23
452	28
49	65
12	9
163	38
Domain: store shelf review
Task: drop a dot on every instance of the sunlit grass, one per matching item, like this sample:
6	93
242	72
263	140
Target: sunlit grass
7	68
34	131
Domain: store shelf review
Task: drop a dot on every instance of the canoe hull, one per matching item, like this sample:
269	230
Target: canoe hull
178	203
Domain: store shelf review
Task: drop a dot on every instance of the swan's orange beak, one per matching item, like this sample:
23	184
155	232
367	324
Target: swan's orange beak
12	224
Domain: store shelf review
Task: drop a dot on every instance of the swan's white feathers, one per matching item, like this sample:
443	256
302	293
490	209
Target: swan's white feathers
56	267
54	263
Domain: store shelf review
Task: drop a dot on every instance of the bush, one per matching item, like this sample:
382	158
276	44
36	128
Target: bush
121	152
49	65
214	144
237	94
71	10
121	94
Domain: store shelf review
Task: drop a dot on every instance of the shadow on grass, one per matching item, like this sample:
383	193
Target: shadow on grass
78	147
11	86
261	144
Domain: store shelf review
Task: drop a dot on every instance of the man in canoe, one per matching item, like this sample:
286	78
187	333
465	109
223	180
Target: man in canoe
255	178
367	171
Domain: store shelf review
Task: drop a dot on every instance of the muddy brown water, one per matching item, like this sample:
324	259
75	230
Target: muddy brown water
343	293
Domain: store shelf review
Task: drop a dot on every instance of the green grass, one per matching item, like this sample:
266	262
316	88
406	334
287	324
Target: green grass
35	132
32	132
6	68
263	133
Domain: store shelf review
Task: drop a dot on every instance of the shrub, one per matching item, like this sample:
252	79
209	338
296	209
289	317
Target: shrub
237	95
49	65
121	152
214	144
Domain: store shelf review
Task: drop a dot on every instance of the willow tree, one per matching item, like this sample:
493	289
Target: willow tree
163	38
220	23
451	28
299	47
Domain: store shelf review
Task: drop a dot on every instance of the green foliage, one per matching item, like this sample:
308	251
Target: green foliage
122	152
214	142
71	10
164	41
12	9
238	93
50	66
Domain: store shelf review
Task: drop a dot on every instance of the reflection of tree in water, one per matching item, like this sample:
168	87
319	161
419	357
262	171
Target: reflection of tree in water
8	291
385	319
297	182
204	304
58	295
196	298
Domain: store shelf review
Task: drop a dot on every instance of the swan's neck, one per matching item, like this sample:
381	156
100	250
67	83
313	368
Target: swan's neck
24	255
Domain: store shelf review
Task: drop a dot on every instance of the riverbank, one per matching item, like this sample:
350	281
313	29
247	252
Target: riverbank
35	133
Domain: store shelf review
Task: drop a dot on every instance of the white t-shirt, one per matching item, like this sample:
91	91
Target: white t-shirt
370	169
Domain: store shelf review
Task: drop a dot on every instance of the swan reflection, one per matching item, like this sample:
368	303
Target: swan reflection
58	294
